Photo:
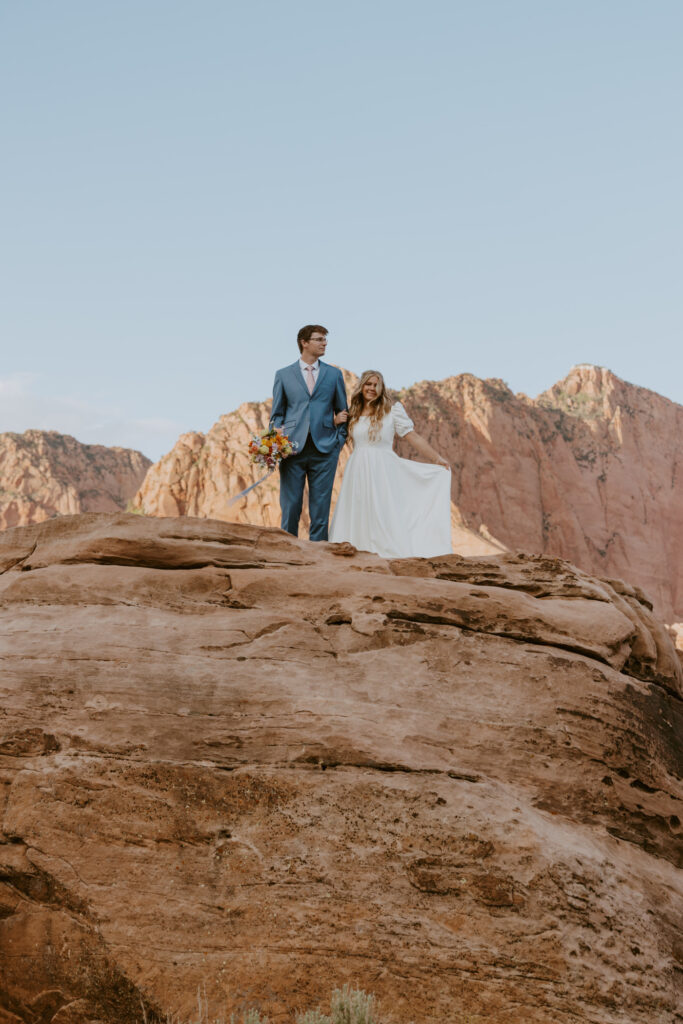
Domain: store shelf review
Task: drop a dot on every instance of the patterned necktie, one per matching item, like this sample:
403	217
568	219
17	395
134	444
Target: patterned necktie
310	380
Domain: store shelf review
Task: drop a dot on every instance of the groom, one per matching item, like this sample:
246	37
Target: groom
309	405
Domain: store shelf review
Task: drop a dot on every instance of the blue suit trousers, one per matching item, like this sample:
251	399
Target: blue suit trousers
318	469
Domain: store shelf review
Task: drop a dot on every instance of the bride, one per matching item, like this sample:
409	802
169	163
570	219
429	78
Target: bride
392	506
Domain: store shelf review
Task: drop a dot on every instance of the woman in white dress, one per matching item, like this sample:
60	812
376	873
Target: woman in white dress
392	506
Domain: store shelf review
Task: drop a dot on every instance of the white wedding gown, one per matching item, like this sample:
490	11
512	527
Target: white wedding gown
390	505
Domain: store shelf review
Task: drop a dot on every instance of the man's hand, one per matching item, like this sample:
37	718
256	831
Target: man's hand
340	417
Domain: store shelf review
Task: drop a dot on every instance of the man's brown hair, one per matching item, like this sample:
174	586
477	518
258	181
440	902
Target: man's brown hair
306	332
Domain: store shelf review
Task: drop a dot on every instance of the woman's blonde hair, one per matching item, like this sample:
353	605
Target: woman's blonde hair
379	407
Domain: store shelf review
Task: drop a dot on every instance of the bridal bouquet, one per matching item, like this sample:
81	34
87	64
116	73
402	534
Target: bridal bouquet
267	450
270	448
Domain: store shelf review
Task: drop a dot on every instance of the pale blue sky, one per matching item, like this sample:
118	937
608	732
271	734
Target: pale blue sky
490	186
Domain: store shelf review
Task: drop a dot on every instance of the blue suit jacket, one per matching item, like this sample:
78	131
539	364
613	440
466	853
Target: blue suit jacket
298	413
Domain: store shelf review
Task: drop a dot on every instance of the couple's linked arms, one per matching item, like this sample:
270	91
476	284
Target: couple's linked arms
341	411
279	407
341	416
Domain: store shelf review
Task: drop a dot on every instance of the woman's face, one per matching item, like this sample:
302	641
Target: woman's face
371	389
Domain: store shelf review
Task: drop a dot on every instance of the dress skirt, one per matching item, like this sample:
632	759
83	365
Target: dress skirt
392	506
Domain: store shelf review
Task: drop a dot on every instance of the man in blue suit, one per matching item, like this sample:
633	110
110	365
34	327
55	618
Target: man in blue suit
309	405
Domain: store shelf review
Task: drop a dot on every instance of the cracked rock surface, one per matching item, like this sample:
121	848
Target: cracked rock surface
236	760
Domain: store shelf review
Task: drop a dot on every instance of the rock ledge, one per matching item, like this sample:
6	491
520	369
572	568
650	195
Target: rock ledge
237	759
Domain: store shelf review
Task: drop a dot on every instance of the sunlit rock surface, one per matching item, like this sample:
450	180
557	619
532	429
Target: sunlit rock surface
236	760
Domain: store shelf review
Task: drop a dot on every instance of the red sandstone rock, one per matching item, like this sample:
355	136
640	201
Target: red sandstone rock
589	472
234	759
44	474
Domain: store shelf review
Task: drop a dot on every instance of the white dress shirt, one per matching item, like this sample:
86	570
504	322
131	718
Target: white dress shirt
304	371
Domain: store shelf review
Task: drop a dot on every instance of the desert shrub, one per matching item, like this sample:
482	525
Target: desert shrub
353	1006
347	1006
249	1017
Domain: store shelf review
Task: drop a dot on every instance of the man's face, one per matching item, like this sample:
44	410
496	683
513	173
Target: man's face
315	346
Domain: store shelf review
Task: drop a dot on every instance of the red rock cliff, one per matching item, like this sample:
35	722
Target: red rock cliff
590	471
44	473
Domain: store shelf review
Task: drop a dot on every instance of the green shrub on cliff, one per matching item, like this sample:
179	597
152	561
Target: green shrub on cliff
347	1006
353	1006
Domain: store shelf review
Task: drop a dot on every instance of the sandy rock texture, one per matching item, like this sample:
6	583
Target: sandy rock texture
44	474
233	759
590	471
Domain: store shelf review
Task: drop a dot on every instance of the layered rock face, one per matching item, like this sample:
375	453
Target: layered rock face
589	472
237	760
44	474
